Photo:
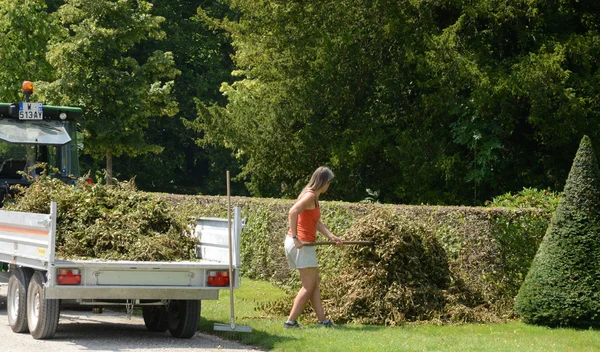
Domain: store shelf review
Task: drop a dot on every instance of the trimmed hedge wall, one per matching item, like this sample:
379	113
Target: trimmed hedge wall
429	263
489	250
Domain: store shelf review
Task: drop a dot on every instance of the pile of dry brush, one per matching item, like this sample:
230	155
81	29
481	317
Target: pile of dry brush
109	222
404	277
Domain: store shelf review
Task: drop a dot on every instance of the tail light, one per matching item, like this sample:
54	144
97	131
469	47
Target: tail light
218	278
68	277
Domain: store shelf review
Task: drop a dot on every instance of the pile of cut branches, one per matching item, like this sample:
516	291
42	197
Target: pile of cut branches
117	222
403	277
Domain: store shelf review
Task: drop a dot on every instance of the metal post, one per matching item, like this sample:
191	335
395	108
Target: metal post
52	244
232	326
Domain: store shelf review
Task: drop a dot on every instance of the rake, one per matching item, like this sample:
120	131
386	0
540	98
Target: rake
231	326
323	243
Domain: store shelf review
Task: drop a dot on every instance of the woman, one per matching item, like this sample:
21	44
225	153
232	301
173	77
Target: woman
304	221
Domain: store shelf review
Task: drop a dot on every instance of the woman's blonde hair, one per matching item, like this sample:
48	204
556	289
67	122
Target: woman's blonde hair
320	178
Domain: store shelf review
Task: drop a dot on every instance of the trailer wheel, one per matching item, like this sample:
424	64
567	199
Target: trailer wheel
42	314
155	318
183	318
18	284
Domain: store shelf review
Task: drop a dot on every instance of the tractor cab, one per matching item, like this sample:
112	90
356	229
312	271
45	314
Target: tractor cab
32	133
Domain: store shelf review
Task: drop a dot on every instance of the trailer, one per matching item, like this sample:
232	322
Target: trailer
169	293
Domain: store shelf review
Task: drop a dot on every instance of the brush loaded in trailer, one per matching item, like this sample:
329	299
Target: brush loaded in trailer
169	293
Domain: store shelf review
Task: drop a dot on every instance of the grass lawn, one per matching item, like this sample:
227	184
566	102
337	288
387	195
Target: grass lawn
268	332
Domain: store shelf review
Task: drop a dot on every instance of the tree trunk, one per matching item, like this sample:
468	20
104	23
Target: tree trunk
109	168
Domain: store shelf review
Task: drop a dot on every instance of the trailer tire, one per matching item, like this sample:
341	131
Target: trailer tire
155	318
42	314
18	284
183	316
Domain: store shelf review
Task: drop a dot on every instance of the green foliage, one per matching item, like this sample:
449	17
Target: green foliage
370	89
446	265
25	29
424	102
203	55
563	283
109	222
96	69
528	198
308	77
519	235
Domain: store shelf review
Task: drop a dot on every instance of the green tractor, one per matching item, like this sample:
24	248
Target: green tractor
32	133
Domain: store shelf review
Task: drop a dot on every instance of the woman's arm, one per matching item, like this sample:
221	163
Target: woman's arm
325	231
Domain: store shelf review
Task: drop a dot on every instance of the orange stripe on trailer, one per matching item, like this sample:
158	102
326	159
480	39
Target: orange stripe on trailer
25	231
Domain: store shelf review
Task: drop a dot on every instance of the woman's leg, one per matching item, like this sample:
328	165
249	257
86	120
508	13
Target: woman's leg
310	280
315	300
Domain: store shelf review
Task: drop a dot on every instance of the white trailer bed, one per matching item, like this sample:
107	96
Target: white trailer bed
27	244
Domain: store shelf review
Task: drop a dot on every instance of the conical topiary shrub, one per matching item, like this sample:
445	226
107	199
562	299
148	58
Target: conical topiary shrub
562	287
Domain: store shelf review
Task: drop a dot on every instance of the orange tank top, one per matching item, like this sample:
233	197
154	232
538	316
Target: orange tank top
307	224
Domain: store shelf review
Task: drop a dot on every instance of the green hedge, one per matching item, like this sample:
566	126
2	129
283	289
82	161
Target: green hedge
562	287
488	250
428	263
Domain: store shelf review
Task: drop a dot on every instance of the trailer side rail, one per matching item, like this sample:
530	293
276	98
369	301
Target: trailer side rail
27	239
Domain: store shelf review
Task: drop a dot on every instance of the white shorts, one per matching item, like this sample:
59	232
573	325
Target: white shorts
305	257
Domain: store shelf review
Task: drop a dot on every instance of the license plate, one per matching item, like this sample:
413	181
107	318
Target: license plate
31	111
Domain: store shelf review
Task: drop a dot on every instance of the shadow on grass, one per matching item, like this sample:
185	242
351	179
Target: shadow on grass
366	328
255	338
576	327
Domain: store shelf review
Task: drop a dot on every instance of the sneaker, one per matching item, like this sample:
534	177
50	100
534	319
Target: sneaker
291	325
325	324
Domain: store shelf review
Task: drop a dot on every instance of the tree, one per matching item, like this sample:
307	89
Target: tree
96	69
320	83
25	29
529	68
202	54
562	287
432	101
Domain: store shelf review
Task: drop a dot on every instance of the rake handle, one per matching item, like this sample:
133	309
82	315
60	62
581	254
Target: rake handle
322	243
230	252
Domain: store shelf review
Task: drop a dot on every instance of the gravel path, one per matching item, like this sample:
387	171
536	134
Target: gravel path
109	331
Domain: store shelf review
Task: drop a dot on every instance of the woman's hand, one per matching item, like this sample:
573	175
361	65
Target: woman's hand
297	243
337	240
